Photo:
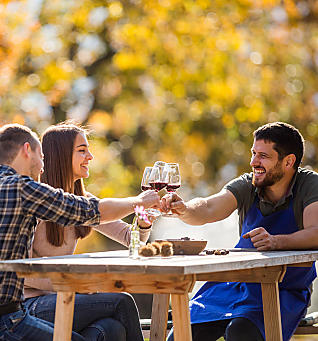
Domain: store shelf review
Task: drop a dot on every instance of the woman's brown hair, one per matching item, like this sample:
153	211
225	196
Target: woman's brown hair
58	144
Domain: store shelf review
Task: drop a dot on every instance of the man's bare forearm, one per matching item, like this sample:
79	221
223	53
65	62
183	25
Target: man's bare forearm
300	240
201	211
196	213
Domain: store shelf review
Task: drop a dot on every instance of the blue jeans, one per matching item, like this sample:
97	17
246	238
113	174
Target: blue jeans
21	326
98	317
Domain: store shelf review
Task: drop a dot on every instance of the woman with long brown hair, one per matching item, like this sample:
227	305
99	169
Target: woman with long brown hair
101	316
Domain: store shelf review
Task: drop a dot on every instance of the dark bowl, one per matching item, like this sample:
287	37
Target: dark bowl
185	247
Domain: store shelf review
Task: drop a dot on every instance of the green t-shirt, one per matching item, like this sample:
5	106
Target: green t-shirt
303	190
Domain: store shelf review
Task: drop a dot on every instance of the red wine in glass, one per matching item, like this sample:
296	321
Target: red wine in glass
158	185
145	187
172	188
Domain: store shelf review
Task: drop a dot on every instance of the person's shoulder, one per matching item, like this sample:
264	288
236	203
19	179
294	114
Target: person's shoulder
306	172
29	186
304	175
25	179
12	178
14	181
243	190
306	180
243	180
8	174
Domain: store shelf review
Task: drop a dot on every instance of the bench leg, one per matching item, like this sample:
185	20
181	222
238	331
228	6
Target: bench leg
159	317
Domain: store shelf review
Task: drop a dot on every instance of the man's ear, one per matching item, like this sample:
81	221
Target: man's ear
26	150
290	160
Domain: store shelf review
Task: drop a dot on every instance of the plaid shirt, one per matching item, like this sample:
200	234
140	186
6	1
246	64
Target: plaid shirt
22	201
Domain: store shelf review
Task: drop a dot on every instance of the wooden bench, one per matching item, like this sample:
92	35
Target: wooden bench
307	326
145	326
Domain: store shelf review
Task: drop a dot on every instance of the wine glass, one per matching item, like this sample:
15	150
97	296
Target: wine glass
174	182
145	179
159	176
160	164
148	176
174	177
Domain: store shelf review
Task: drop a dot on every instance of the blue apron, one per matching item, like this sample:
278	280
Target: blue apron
219	301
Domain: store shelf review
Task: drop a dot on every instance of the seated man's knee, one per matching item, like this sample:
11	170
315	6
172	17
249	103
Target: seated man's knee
127	301
241	328
105	330
170	336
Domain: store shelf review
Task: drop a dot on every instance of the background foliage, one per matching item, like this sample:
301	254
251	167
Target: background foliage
177	80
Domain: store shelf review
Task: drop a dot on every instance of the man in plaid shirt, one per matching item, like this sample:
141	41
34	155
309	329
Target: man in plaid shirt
23	200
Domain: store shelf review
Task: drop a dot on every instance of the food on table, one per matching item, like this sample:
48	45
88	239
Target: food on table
209	252
157	247
147	250
217	252
164	249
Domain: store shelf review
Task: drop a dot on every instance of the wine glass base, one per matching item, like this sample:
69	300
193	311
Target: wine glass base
170	215
154	212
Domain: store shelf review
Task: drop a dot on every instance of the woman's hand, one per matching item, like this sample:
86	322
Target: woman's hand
149	199
143	224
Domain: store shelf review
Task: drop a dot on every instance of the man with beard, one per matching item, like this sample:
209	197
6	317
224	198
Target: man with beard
278	210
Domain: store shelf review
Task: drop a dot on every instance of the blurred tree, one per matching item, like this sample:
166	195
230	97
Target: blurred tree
177	80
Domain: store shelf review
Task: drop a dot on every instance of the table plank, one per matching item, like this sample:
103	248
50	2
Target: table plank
110	282
89	263
255	275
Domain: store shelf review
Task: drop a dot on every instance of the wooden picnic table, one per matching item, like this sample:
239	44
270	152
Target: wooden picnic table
113	271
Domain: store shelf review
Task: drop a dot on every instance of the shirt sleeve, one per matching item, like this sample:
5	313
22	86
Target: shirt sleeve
241	188
117	230
308	187
48	203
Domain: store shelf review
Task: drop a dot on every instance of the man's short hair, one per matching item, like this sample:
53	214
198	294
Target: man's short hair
286	138
12	138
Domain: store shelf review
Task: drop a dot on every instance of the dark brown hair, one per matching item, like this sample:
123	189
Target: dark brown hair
286	138
12	138
58	145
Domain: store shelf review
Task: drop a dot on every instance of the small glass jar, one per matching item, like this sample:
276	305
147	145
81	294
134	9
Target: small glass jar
134	240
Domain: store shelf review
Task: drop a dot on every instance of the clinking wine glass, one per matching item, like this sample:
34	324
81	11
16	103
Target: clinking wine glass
159	176
174	181
145	185
174	177
145	179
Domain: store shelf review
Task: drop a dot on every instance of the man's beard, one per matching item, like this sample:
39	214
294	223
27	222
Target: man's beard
271	177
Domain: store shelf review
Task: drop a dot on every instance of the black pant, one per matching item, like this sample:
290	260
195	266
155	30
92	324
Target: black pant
237	329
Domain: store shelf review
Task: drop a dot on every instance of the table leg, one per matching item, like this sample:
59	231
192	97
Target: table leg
271	308
159	317
64	316
181	317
